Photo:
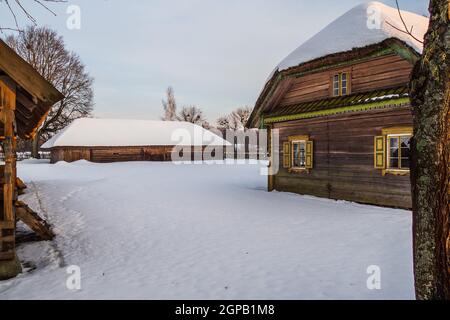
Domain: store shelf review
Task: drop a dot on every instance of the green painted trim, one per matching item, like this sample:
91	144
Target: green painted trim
406	53
262	123
327	112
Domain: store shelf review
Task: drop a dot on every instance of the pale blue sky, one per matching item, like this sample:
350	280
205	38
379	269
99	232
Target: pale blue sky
215	54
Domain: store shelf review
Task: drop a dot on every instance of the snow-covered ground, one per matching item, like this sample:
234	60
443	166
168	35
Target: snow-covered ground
165	231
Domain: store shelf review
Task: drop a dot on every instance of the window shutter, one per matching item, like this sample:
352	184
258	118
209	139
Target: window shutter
286	155
380	152
309	155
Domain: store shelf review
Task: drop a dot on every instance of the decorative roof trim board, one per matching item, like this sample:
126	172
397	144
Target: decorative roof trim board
328	112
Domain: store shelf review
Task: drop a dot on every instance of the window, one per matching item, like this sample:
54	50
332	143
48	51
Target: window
341	84
299	154
399	151
392	150
336	85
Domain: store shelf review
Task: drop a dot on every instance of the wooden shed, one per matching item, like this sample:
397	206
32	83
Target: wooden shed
117	140
25	100
341	108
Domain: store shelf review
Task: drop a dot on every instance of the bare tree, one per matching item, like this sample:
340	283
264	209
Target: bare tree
236	120
191	114
45	51
430	98
239	117
430	154
169	106
206	125
223	123
17	6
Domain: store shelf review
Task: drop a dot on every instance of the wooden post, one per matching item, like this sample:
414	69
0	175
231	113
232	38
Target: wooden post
9	265
270	181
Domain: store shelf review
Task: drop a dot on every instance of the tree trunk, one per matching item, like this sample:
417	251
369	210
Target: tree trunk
430	98
35	147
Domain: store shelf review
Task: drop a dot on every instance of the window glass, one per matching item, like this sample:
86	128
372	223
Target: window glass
340	84
336	85
299	154
399	151
393	152
405	143
344	84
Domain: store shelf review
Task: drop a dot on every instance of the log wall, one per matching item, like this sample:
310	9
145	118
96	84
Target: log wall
344	159
378	73
119	154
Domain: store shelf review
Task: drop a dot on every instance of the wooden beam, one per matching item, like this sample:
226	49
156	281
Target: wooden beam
10	268
27	77
34	221
270	176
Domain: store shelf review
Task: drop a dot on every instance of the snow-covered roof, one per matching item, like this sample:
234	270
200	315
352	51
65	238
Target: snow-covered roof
91	132
364	25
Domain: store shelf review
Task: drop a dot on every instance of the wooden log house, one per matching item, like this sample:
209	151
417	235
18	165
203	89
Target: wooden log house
119	140
25	100
340	105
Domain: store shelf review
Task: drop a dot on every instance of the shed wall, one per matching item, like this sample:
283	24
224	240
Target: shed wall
119	154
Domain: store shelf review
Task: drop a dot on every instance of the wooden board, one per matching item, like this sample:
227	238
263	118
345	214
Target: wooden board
33	221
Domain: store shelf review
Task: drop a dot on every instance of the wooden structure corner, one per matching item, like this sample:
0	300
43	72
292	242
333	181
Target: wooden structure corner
25	100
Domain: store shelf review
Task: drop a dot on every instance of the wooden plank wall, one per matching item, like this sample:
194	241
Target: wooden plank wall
378	73
118	154
111	154
343	158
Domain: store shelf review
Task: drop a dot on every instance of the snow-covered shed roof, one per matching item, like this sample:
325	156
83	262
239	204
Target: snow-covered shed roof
91	132
366	24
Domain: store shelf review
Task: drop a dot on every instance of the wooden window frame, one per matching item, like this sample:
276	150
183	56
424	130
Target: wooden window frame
341	85
299	142
333	87
388	152
297	139
340	88
395	132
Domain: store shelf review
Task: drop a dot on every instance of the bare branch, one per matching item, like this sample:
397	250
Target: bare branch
28	15
12	12
406	31
9	29
47	8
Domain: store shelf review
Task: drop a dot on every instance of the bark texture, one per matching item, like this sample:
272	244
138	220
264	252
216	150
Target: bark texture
430	96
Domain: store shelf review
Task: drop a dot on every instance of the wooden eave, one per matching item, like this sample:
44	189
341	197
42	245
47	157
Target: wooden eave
34	95
377	99
280	81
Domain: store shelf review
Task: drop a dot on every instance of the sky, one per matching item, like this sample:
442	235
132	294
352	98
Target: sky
215	54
